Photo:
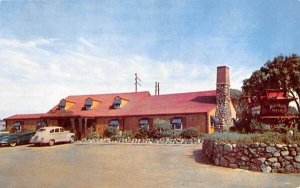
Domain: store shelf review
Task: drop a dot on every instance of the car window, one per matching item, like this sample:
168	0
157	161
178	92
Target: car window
52	131
41	130
57	130
61	130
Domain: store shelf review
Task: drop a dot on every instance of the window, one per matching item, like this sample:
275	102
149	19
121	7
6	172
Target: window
17	126
62	104
114	123
177	124
40	124
88	104
213	121
144	123
61	130
52	131
57	130
117	102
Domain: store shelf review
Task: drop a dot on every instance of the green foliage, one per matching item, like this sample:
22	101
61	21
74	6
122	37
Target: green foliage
127	134
281	73
13	130
268	137
110	131
239	105
155	134
93	135
258	127
241	126
189	133
142	133
164	127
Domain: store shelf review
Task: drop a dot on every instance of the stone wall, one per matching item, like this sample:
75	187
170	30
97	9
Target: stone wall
256	157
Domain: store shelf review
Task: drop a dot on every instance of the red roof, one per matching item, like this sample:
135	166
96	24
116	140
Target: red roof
139	103
24	116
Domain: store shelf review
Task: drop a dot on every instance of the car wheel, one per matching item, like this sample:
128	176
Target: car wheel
72	139
12	144
51	142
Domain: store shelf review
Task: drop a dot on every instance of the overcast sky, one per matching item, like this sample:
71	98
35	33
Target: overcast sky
51	49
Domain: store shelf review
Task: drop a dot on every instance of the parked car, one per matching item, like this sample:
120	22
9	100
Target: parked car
52	135
15	138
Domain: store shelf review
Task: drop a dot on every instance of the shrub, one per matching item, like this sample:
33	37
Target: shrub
93	135
110	131
127	134
241	126
141	133
267	137
259	127
155	134
190	133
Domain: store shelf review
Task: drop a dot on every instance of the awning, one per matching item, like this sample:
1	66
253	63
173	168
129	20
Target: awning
144	122
113	123
176	121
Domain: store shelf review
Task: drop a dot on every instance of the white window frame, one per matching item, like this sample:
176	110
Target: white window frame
177	124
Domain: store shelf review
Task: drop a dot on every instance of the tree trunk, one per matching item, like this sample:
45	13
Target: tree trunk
297	99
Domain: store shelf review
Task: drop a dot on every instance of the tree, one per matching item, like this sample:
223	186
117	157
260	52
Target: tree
281	73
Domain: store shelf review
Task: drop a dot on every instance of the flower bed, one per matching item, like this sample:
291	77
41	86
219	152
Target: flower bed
144	141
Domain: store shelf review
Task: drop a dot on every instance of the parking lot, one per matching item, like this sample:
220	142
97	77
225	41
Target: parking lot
124	165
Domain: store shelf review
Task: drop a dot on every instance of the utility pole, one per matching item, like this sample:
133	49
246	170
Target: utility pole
137	82
156	88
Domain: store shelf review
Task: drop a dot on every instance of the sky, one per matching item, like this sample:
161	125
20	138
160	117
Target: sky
50	49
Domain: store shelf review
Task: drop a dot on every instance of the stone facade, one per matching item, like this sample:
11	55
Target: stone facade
256	157
223	110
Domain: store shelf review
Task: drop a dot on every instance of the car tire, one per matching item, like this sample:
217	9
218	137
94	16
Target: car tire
13	143
72	139
51	142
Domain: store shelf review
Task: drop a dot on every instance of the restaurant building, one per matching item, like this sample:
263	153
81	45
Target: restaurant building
130	111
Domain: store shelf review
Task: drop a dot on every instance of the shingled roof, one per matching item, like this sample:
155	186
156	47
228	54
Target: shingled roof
139	103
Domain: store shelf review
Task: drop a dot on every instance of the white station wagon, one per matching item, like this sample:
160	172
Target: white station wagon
52	135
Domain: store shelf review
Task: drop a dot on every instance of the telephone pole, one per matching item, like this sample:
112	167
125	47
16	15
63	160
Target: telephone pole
137	81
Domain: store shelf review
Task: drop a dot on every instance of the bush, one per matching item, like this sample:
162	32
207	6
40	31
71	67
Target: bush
267	137
190	133
155	134
259	127
93	135
127	134
241	126
110	131
142	133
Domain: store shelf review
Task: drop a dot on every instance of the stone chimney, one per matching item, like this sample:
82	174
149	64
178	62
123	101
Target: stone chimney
223	111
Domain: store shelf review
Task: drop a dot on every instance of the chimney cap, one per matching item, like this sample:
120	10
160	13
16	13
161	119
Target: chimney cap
223	75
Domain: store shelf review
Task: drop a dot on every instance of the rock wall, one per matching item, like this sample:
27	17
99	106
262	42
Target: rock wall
256	157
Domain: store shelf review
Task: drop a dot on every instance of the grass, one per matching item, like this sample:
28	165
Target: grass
268	138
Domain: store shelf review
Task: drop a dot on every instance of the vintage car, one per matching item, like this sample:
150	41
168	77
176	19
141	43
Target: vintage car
52	135
16	138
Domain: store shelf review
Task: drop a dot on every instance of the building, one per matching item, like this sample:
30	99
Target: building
130	111
2	125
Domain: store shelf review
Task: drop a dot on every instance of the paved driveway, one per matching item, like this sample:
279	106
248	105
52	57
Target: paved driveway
95	165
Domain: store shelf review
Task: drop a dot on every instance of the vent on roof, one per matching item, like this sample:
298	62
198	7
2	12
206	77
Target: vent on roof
88	104
62	104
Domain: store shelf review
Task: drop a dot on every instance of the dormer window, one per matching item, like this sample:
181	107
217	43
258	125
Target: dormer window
62	104
144	123
117	102
88	104
177	123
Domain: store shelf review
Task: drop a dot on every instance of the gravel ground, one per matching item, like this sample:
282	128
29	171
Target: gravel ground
124	165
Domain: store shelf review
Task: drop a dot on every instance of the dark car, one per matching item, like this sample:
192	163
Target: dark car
16	138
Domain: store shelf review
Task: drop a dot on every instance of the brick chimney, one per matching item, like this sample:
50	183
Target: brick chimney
223	111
